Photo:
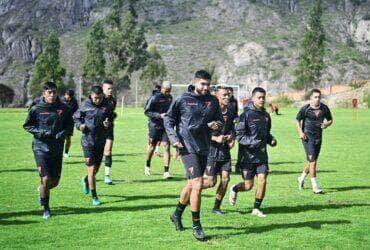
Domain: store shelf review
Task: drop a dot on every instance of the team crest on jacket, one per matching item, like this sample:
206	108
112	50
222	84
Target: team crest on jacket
317	113
59	111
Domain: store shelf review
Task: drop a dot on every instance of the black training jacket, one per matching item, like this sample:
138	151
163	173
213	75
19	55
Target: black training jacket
157	105
313	118
221	151
94	134
72	104
189	114
49	123
253	135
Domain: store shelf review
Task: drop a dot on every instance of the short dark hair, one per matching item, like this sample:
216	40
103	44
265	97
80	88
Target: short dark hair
203	74
314	91
70	92
97	89
258	89
108	81
49	86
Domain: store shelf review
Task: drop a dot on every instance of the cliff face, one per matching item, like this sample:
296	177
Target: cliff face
250	42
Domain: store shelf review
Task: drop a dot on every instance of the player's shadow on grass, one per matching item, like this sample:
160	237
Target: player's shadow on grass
58	211
15	222
304	208
174	178
18	170
349	188
83	162
128	154
282	172
316	225
124	198
285	162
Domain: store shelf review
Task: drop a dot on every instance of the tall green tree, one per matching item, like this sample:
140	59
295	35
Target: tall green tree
311	59
125	47
48	67
94	63
154	71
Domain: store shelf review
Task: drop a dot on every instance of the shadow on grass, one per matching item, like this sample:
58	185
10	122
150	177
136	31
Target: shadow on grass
349	188
124	198
86	210
175	178
129	154
316	225
16	222
83	162
285	162
282	172
302	208
18	170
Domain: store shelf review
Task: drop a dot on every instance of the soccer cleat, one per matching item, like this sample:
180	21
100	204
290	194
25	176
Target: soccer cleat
46	214
96	202
147	171
177	221
84	185
232	196
108	180
258	213
198	233
218	211
66	155
300	183
167	175
317	191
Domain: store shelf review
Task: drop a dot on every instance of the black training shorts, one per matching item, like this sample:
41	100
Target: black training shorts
194	164
250	170
312	147
216	167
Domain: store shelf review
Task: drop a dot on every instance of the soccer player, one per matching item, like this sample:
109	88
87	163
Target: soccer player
195	114
108	90
233	101
49	120
312	118
219	158
94	119
156	108
70	100
253	135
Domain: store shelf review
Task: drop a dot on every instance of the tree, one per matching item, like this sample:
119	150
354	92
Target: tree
94	63
125	47
155	70
70	82
210	67
311	59
48	66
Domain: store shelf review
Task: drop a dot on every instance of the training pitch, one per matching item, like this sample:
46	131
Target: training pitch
135	211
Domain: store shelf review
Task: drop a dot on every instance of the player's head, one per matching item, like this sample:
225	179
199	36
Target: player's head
223	96
108	88
231	90
69	94
49	92
202	82
166	88
315	97
259	97
96	94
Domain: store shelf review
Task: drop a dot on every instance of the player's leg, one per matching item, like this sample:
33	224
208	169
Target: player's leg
211	172
313	155
67	145
260	193
248	173
167	157
184	201
108	160
222	187
154	138
157	150
303	176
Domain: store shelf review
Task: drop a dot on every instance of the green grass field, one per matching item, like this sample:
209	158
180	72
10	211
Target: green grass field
135	212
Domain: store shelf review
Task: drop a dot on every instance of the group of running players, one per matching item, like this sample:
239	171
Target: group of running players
202	125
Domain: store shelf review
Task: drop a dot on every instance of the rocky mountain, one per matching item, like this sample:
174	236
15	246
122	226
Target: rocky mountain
251	42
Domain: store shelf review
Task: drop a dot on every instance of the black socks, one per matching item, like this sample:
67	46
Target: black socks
217	204
257	203
108	161
196	218
179	210
166	168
